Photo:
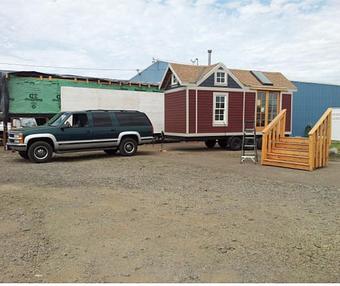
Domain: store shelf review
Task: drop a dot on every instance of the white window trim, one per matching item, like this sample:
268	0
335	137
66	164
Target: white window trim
220	123
225	83
174	80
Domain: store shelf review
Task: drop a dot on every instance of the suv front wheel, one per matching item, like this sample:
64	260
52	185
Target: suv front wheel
128	147
40	152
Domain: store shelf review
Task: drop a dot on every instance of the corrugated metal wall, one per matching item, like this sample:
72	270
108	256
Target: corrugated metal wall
310	102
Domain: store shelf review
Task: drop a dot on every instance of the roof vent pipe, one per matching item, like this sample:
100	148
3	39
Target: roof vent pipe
209	57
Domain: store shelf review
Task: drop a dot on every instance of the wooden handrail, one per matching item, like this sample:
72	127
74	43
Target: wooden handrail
272	133
320	140
274	121
320	121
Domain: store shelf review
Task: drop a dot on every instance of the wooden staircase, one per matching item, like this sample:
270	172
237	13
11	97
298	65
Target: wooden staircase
296	152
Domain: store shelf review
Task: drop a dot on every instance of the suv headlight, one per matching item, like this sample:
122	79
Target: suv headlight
19	138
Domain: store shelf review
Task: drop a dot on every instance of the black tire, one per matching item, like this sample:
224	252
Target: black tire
23	154
110	151
40	152
259	143
235	143
128	147
223	143
210	144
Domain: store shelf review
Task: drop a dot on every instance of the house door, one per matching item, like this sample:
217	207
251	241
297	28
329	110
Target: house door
267	107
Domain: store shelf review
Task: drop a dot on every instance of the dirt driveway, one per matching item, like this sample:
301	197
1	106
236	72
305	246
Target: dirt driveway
185	215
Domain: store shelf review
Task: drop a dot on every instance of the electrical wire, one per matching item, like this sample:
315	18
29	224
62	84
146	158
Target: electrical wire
60	67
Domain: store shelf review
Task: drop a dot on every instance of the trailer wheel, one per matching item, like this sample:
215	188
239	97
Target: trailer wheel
23	154
259	143
235	143
210	143
223	143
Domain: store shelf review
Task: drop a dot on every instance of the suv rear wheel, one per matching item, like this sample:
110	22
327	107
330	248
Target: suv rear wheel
128	147
23	154
40	152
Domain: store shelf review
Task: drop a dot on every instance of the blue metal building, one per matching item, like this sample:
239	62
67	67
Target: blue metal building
153	74
310	102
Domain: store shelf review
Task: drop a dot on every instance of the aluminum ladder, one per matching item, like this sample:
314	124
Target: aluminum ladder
249	144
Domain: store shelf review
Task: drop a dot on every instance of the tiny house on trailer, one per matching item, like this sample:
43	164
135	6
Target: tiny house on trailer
210	103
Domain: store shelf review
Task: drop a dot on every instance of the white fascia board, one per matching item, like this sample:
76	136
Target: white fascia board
223	89
174	89
207	134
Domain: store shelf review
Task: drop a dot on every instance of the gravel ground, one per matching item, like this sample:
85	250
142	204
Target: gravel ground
184	215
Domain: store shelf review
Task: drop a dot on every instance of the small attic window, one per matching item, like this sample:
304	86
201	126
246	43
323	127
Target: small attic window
174	80
220	78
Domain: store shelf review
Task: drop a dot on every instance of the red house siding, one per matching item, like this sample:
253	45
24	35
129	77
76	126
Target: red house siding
192	111
205	113
250	107
175	112
287	104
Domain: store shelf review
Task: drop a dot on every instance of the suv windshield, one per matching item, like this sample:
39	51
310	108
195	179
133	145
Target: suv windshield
58	119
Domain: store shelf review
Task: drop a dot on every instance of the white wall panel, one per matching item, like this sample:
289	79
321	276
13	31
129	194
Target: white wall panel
151	103
336	124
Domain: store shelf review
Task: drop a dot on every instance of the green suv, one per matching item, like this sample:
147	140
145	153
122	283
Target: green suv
108	130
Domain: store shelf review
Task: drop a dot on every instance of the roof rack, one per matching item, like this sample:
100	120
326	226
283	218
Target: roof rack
111	110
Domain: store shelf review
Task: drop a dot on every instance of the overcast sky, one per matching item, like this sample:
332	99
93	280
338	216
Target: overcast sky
299	38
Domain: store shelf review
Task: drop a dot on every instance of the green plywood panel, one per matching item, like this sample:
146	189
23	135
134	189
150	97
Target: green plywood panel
33	96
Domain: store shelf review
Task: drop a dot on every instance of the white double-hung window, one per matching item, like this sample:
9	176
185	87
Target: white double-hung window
220	112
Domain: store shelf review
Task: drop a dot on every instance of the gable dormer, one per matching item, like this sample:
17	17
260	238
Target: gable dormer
220	77
170	80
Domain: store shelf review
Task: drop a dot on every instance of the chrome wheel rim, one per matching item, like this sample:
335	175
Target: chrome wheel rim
40	152
129	147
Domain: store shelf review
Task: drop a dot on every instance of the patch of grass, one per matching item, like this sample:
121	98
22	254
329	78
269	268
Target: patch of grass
335	144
